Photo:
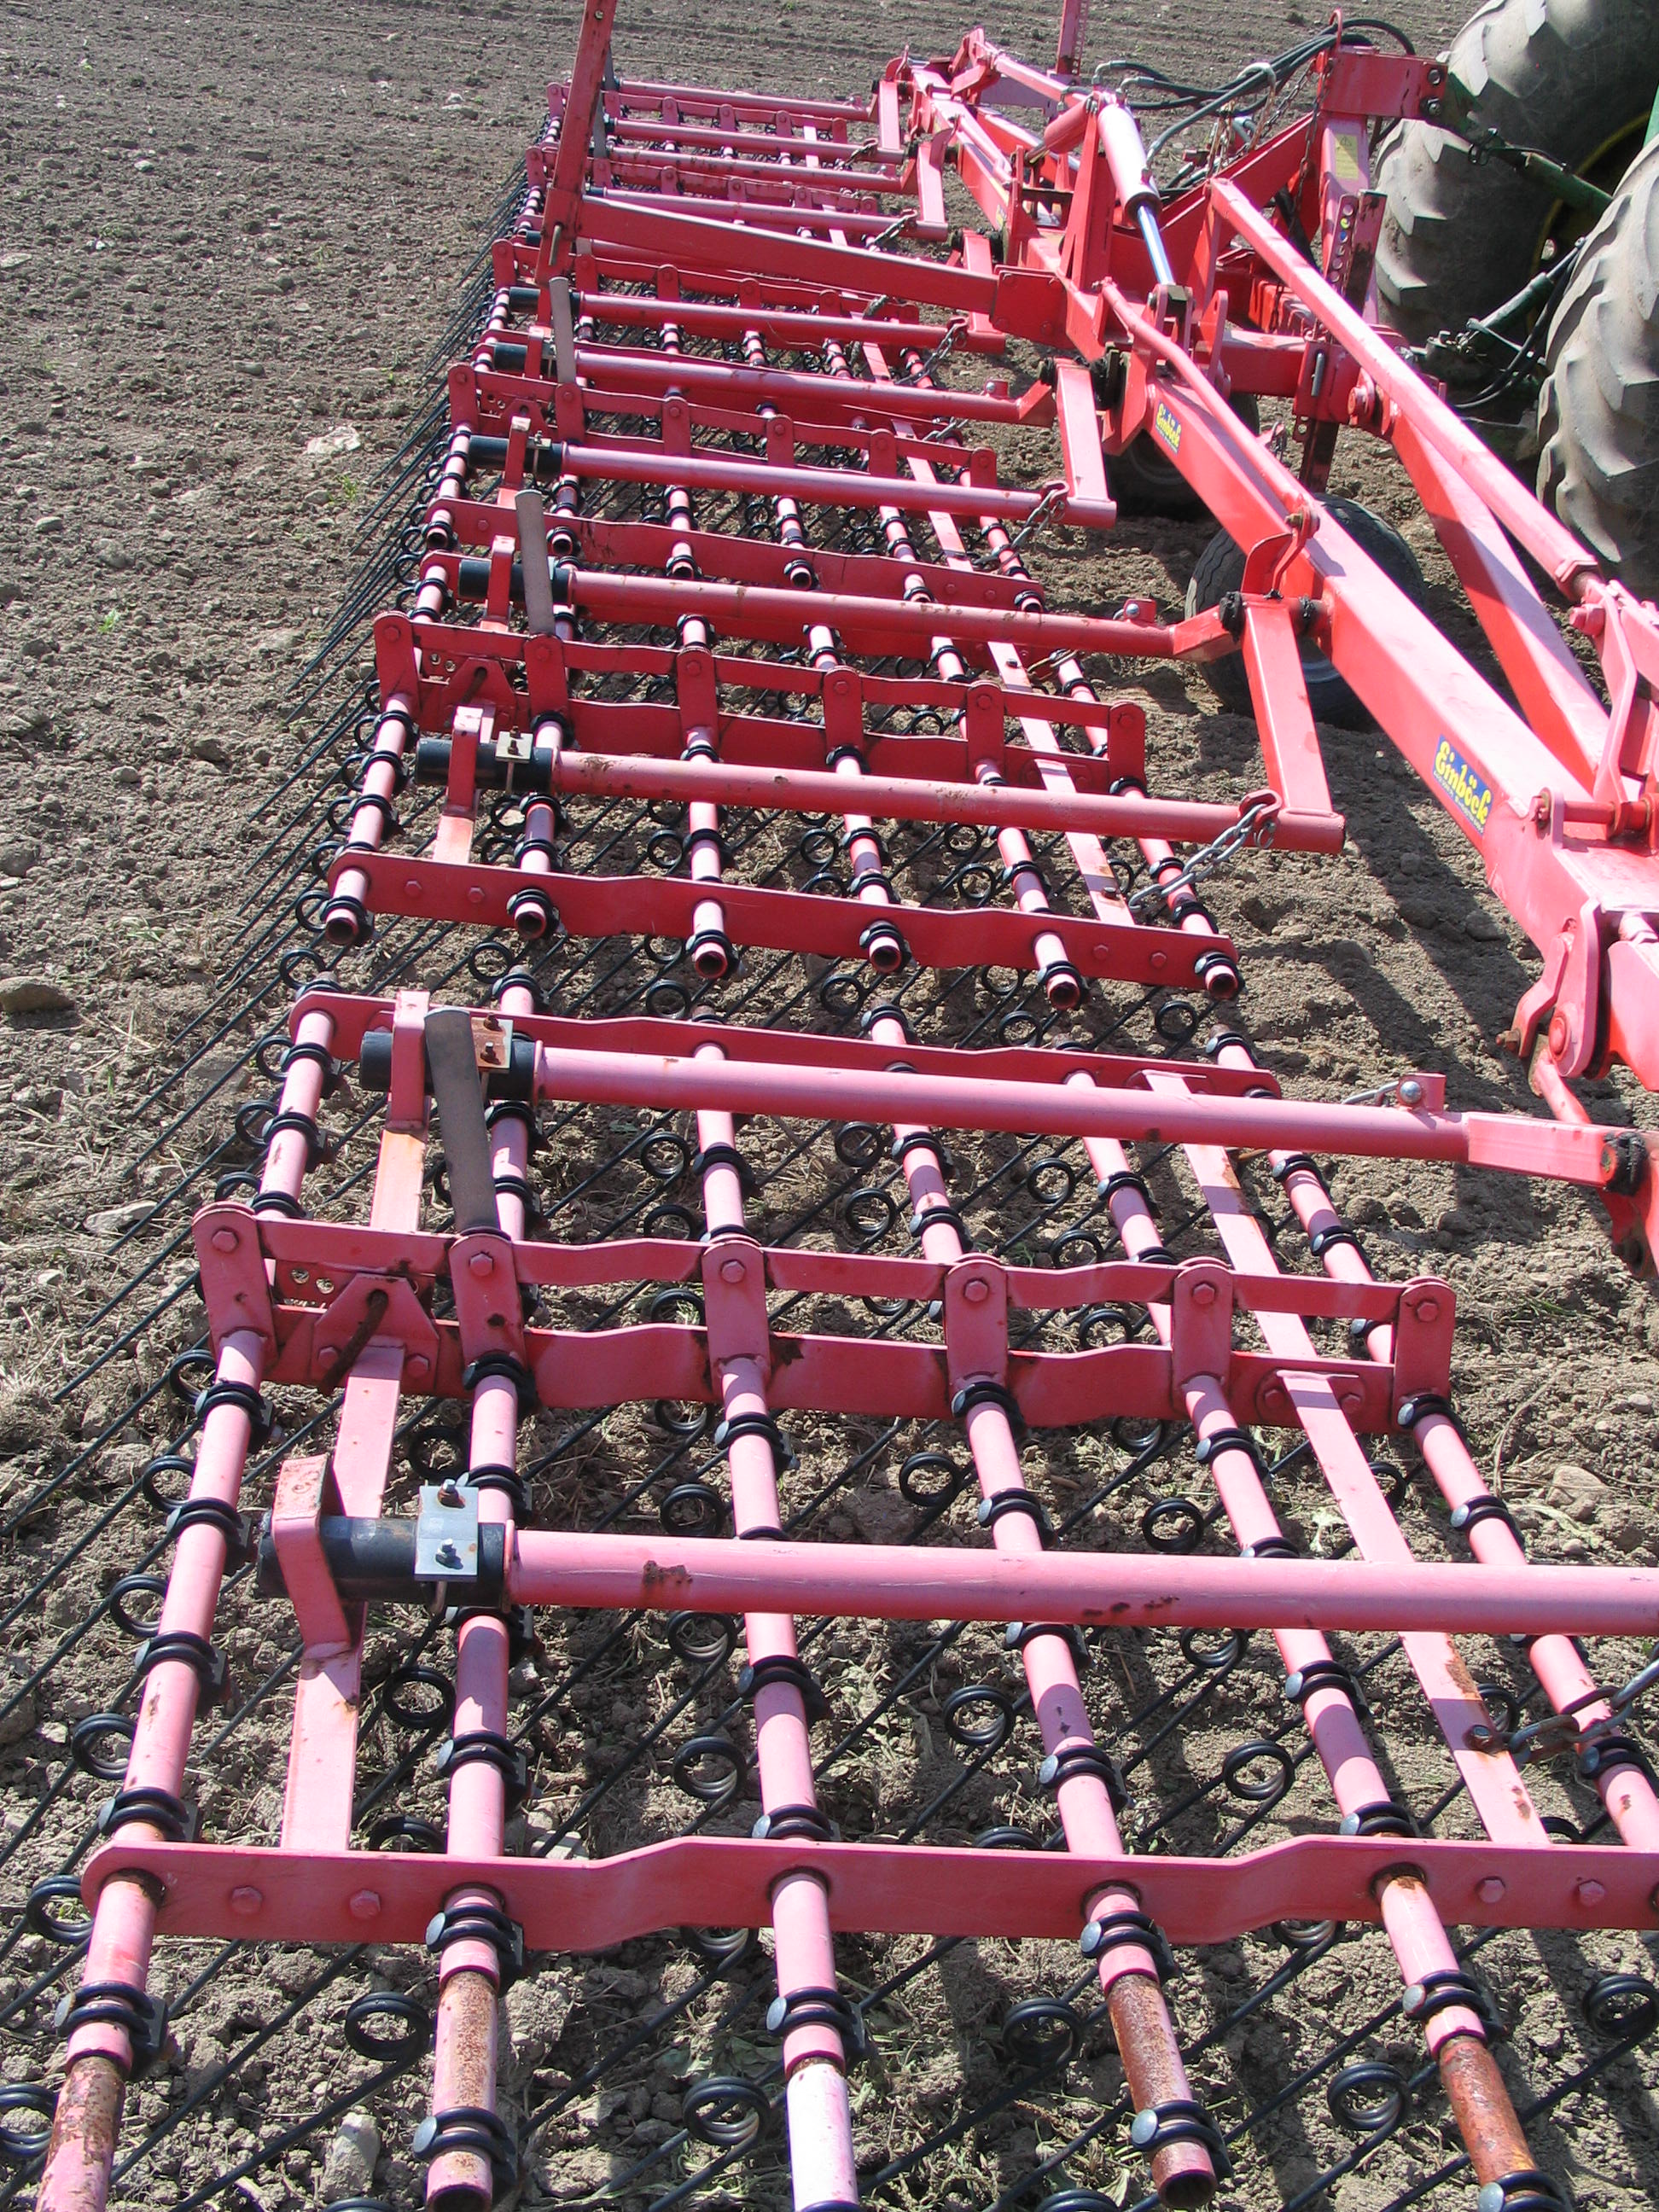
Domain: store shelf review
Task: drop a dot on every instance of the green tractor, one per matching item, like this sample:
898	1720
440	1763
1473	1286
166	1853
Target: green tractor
1520	257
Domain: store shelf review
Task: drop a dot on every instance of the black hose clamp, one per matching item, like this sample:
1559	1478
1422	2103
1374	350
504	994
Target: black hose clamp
812	2007
973	1394
935	1217
1323	1674
184	1646
1116	1931
477	1747
990	1511
469	2127
1178	2120
503	1366
159	1808
1473	1511
1074	1760
235	1528
782	1668
725	1156
507	1483
1387	1818
726	1433
794	1824
1528	2190
1239	1440
1018	1633
480	1924
245	1398
1439	1992
141	2018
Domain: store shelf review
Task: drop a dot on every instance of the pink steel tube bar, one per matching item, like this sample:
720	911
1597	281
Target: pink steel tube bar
1454	2032
823	2167
75	2177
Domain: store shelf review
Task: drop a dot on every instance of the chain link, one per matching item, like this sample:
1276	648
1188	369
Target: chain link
893	233
1154	897
1559	1733
1039	515
929	362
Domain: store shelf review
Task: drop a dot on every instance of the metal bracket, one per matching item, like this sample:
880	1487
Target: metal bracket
446	1534
1200	1324
234	1289
734	1302
976	1321
489	1312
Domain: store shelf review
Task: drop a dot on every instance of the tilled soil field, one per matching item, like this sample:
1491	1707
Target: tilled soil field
231	242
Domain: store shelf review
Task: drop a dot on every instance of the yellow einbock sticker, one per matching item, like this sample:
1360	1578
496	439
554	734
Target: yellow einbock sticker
1167	427
1466	790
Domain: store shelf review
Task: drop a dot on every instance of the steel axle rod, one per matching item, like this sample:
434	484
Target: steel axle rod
375	1561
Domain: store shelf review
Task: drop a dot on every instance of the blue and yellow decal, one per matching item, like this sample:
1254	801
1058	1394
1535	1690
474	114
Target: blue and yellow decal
1167	427
1468	791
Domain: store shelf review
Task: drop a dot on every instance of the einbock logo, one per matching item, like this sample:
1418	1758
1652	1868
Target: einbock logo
1468	792
1167	427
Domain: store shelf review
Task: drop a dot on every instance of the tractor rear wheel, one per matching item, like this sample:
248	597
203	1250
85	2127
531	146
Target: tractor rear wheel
1598	413
1574	79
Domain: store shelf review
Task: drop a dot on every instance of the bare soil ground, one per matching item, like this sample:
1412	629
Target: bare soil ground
229	234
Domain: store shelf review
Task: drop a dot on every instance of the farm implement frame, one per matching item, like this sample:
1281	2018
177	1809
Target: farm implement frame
722	681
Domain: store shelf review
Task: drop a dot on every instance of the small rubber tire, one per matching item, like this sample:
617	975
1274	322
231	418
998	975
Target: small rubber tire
1221	570
1569	78
1598	413
1144	480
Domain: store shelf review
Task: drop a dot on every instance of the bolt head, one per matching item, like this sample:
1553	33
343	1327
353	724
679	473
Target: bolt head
1203	1294
419	1368
480	1264
732	1271
1411	1092
246	1901
1589	1892
1489	1888
364	1904
1158	962
1560	1036
1427	1309
225	1240
977	1290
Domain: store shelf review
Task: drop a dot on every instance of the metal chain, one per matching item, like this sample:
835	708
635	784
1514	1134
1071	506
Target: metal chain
1558	1733
1152	898
929	362
1039	515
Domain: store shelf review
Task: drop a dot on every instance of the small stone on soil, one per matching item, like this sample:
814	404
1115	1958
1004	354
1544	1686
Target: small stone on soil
34	994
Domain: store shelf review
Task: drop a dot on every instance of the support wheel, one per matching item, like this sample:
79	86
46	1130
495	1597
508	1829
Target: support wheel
1574	78
1598	413
1144	480
1221	570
